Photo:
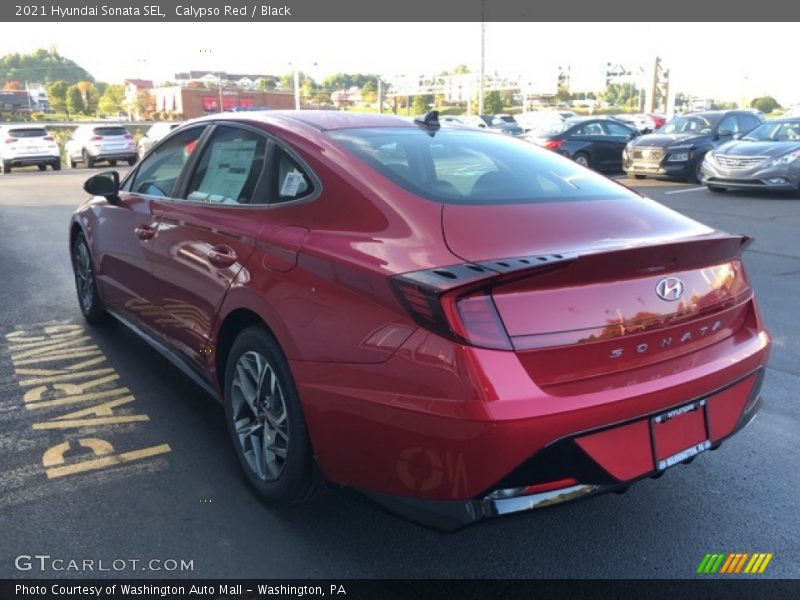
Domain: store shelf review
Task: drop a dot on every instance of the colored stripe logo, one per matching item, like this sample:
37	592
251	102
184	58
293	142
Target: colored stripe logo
734	562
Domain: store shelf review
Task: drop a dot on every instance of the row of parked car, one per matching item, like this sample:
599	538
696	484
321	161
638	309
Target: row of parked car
29	145
734	149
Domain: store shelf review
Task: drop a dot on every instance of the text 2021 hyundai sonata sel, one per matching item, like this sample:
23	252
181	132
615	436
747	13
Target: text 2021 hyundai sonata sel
455	322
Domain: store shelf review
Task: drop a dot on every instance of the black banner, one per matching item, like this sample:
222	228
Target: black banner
405	11
387	589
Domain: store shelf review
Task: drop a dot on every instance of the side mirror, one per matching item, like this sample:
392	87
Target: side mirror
104	184
724	133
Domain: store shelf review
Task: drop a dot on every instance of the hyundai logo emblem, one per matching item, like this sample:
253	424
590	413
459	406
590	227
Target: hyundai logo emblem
670	288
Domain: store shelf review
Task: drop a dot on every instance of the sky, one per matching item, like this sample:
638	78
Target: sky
724	61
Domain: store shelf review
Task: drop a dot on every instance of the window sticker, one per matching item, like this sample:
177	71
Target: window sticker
291	183
228	169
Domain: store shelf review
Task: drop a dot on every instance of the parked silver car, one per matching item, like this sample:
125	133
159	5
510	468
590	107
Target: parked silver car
154	134
94	143
766	158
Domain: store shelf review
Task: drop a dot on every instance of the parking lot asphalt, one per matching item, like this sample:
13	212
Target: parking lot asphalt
168	486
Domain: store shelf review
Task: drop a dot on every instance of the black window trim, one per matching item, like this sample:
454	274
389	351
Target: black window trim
264	181
190	163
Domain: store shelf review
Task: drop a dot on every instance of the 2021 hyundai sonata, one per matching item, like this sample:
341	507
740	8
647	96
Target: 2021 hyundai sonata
455	322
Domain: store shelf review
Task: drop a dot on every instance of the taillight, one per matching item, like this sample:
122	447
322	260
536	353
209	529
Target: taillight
553	144
474	318
468	319
49	138
10	140
95	138
456	301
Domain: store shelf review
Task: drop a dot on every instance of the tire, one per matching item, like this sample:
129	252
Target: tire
696	172
71	163
716	189
640	176
56	166
85	283
112	163
41	167
287	479
132	161
88	160
6	167
583	160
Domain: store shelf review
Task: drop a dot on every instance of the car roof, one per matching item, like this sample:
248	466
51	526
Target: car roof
323	120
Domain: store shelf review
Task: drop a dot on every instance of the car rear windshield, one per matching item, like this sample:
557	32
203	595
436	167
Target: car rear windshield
473	167
28	133
110	131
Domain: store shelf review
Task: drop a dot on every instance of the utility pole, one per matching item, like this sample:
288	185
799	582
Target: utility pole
219	81
481	96
296	89
380	96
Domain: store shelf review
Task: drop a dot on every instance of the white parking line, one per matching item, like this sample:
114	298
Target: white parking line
684	191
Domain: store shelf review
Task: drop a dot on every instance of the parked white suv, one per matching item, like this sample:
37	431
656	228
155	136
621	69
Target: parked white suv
153	135
94	143
22	145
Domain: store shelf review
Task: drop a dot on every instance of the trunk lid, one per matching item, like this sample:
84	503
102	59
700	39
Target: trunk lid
598	310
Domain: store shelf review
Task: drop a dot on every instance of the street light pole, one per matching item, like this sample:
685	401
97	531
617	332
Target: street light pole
296	90
483	60
219	80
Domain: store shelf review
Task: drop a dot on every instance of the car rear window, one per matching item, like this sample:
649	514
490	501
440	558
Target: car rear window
31	132
110	131
471	167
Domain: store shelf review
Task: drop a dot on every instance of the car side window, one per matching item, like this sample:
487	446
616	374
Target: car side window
616	129
159	172
291	182
230	169
729	124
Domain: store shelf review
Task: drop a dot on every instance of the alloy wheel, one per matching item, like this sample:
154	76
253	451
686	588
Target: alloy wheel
260	418
84	277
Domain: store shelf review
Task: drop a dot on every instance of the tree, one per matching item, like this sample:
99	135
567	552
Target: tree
422	103
111	101
57	96
765	104
89	96
12	85
461	70
621	94
266	84
74	100
287	80
493	103
141	105
369	92
41	65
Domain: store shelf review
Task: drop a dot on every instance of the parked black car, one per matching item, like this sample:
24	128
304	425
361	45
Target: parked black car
677	149
592	142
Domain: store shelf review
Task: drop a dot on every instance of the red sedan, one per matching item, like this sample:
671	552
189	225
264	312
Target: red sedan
455	322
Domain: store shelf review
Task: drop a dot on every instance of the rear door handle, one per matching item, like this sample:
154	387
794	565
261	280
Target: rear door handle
145	232
222	256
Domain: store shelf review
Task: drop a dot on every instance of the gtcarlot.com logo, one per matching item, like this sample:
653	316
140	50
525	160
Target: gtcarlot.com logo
732	563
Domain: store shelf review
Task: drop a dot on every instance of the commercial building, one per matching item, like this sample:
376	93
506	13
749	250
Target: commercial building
188	102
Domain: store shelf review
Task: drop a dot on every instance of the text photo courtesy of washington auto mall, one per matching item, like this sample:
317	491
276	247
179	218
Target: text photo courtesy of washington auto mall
306	299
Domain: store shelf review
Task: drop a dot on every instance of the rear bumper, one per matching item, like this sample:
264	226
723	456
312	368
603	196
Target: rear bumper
442	422
587	477
127	155
42	159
